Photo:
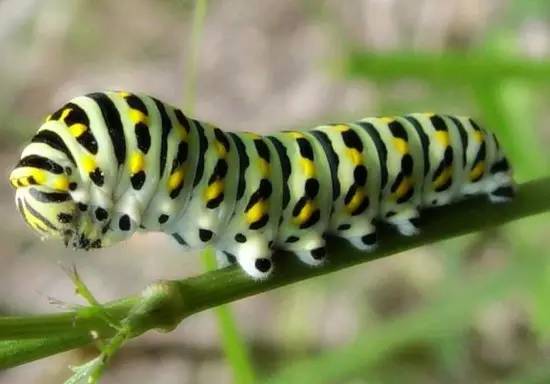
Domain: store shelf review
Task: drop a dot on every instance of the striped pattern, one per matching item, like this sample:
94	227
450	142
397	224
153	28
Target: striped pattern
109	163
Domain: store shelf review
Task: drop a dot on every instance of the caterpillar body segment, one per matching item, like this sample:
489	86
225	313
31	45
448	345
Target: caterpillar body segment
108	164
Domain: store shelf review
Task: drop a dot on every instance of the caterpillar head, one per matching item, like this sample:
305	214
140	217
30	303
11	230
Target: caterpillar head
61	181
50	191
50	206
42	197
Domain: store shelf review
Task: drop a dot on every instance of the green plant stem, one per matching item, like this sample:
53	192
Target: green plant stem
17	352
195	294
72	323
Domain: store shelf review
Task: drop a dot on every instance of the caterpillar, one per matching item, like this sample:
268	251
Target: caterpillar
108	164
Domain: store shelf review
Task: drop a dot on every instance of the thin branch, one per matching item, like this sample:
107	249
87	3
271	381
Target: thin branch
165	304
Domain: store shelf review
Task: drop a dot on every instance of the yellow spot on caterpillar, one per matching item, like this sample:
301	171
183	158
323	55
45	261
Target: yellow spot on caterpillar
477	171
428	114
25	181
15	177
355	156
252	135
220	149
37	224
175	179
305	213
137	116
213	190
404	187
41	228
123	94
137	162
356	200
443	177
181	133
20	182
48	118
479	136
401	145
65	113
265	168
38	175
341	127
308	167
256	212
88	163
295	134
61	183
77	129
32	220
442	137
20	177
387	120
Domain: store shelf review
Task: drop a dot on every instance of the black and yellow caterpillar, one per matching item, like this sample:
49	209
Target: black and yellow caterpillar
108	164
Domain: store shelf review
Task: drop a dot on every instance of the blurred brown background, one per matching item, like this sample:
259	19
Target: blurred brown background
267	65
